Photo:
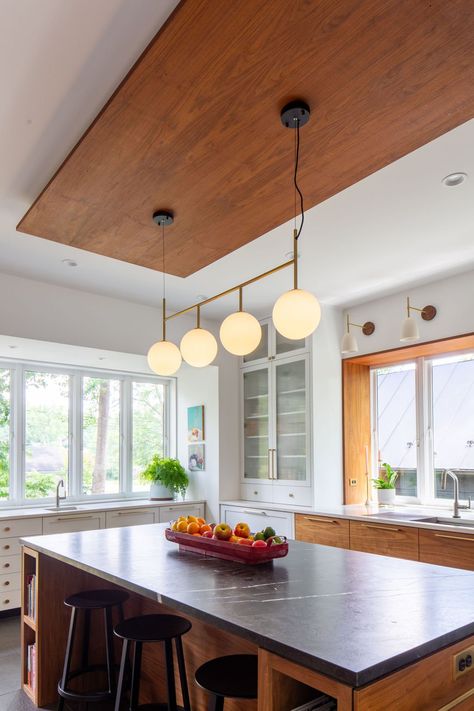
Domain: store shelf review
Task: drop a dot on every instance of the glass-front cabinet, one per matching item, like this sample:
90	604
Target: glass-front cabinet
276	435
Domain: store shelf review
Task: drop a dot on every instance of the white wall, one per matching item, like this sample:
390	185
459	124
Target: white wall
453	298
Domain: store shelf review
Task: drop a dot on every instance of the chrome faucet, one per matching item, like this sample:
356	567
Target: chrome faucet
58	497
444	481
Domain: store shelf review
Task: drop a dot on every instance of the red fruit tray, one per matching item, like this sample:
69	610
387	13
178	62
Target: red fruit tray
227	551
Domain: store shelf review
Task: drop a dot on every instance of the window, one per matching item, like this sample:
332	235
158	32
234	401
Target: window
423	423
95	430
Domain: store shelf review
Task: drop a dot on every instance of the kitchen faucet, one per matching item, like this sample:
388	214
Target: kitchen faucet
58	497
444	481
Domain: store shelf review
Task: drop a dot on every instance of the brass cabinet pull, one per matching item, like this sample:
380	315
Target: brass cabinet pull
72	518
6	565
7	528
321	520
130	513
7	602
382	528
257	513
455	702
274	474
7	547
455	538
7	582
270	464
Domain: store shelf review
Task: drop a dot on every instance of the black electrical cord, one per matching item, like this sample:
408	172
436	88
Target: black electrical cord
295	177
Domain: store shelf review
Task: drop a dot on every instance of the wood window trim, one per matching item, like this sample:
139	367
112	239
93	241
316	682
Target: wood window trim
356	421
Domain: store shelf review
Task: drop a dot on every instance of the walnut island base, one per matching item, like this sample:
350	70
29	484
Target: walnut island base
374	633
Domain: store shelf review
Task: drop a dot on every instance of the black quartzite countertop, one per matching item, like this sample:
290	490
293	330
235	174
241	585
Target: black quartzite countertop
353	616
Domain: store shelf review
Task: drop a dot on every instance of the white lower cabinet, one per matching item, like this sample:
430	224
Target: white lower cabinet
257	519
11	530
170	513
131	517
68	523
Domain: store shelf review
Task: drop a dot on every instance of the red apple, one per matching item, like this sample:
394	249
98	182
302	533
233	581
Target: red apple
259	544
245	542
242	530
207	534
222	531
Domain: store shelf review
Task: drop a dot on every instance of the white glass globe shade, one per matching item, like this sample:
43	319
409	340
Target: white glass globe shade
198	347
296	314
409	330
164	358
240	333
349	344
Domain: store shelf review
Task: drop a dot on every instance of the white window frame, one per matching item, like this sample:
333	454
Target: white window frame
76	374
424	426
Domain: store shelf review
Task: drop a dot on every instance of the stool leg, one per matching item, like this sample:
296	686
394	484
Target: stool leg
136	670
123	664
182	674
216	703
85	639
109	648
170	676
67	658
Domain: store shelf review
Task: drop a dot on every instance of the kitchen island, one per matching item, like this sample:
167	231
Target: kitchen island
375	633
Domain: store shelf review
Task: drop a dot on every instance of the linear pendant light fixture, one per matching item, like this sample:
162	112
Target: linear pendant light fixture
296	313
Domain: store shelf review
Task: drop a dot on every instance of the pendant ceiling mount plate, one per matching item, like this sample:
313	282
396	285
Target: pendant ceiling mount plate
163	218
295	112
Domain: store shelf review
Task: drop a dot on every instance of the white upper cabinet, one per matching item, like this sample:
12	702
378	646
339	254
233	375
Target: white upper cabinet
274	346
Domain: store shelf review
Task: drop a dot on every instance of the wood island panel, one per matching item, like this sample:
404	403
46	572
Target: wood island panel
325	530
391	539
447	548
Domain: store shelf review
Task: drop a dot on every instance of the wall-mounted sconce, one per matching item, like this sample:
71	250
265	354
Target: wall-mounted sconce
349	341
410	330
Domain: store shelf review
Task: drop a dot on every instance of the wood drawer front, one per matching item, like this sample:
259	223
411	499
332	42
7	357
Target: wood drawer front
446	548
171	513
129	517
427	685
9	546
68	523
384	539
9	599
14	527
10	564
9	581
321	529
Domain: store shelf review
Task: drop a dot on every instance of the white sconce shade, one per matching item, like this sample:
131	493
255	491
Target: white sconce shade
349	344
198	347
240	333
296	314
409	330
164	358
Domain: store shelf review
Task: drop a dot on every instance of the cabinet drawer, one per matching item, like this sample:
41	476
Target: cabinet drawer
257	492
170	513
327	531
129	517
10	564
446	548
10	581
293	495
9	599
68	523
395	541
258	519
14	527
9	546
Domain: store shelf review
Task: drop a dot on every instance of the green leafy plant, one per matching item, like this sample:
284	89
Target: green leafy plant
388	480
168	472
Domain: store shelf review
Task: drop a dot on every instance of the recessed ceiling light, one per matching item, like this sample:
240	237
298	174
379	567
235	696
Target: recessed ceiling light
12	347
454	179
69	263
102	357
289	255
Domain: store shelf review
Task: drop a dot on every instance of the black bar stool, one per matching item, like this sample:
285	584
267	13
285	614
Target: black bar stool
153	628
90	600
232	677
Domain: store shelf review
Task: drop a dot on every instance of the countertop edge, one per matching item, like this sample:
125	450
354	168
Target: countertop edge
96	506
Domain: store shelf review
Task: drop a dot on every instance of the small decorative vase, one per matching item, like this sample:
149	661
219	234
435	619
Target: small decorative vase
386	496
158	492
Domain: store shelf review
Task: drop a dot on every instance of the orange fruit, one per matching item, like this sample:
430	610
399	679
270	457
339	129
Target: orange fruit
202	521
193	527
182	526
234	539
196	534
192	519
205	527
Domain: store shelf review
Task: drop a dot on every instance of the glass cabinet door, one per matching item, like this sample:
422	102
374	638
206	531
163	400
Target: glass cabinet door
286	345
256	423
292	437
261	350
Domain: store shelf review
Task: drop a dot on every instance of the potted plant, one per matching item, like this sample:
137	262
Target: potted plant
167	478
385	485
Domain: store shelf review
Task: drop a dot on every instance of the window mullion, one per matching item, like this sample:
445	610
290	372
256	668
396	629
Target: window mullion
18	423
420	430
126	436
75	425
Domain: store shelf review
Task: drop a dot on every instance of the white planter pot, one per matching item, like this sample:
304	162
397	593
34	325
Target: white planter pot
158	492
386	496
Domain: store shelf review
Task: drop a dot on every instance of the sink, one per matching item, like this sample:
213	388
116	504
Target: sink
448	521
399	515
61	508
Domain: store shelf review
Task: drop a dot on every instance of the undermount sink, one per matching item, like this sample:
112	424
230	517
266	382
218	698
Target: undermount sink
448	521
61	508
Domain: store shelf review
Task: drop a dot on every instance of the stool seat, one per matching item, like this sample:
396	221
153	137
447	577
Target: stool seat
96	599
152	628
234	676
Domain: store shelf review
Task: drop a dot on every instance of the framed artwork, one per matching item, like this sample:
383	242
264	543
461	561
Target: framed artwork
196	423
196	460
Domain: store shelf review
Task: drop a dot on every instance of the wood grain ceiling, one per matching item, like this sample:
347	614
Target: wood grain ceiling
194	127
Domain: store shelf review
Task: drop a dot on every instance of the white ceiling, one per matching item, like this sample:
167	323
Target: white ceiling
60	61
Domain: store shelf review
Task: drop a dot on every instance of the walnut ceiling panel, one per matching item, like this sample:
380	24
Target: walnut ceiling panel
194	127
